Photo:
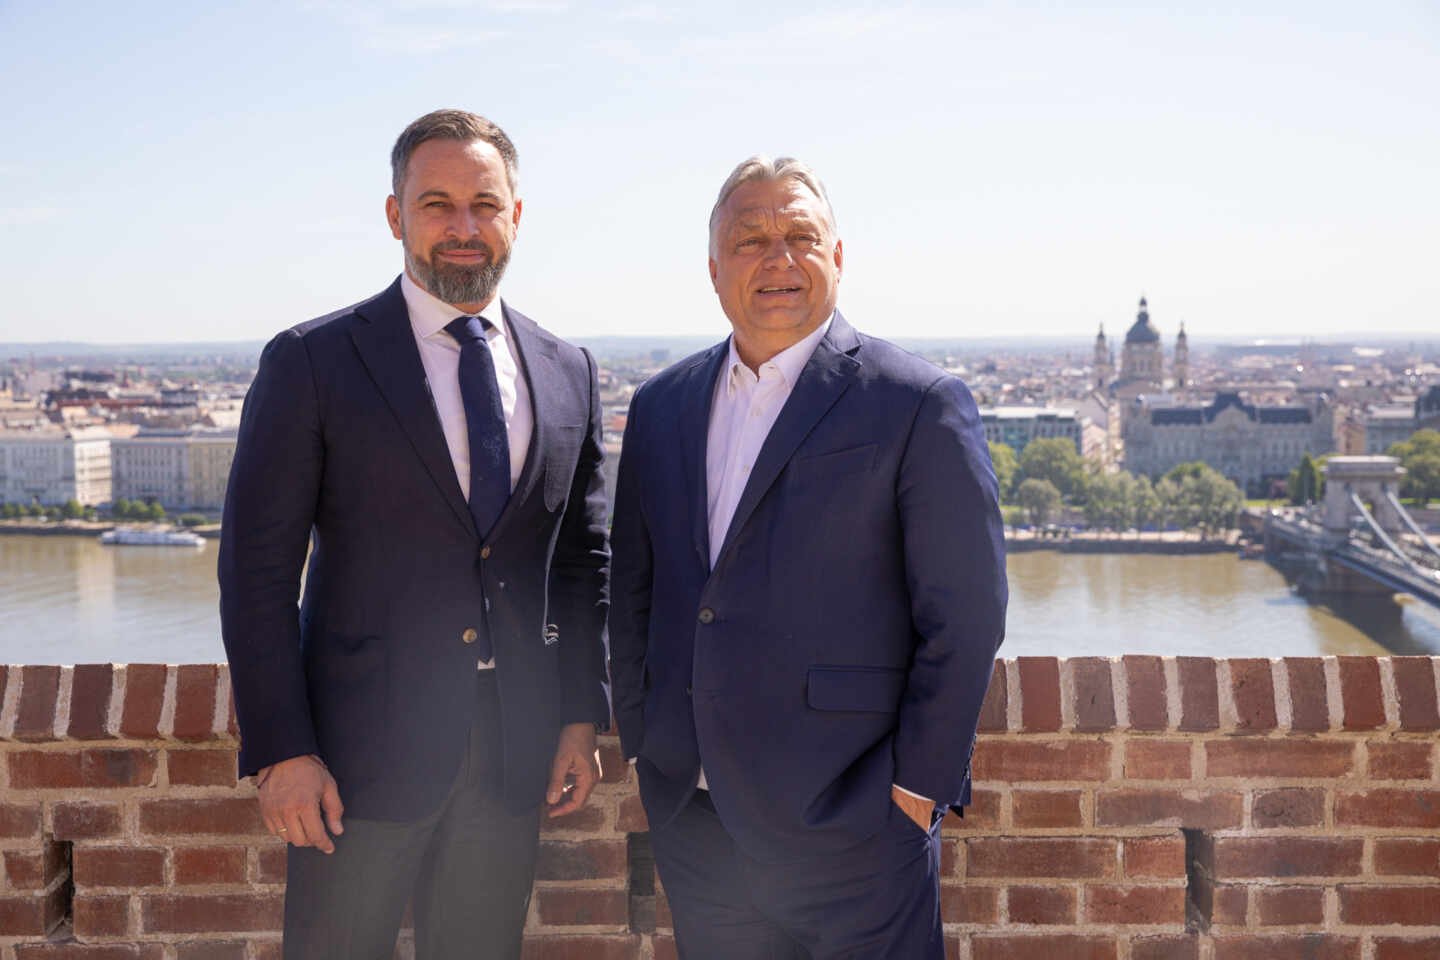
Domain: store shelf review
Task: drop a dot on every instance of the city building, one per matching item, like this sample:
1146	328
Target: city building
179	469
1252	445
1016	426
50	466
1391	423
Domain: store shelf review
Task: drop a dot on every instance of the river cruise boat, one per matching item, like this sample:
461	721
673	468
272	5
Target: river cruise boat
136	537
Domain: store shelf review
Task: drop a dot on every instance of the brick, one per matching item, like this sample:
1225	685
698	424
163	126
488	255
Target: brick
197	865
1254	694
561	907
1290	906
1407	857
226	913
1026	760
1376	906
1401	760
1398	948
993	711
1264	857
1039	694
119	866
19	821
1202	809
1154	856
1389	808
1046	808
266	949
590	818
665	949
982	813
211	950
195	701
90	690
1094	694
103	767
228	816
101	916
1288	807
1231	905
1268	759
1309	702
201	768
631	817
1360	693
44	769
615	947
1199	693
1041	905
89	951
39	690
85	821
271	863
1165	948
1063	857
1145	690
969	904
613	766
1415	687
144	696
589	860
1016	946
1306	946
1105	903
1157	759
23	870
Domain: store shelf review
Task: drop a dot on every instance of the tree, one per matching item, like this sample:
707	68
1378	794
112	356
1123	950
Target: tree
120	509
1199	496
154	511
1110	501
1039	498
1147	506
9	511
1002	456
1304	482
1054	459
1420	456
72	509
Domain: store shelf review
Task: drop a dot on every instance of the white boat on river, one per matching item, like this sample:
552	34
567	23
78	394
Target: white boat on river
140	537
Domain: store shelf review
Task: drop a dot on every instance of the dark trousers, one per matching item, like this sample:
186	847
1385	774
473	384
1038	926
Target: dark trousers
879	900
468	868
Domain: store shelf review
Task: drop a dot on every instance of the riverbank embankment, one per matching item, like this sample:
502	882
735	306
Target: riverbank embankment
1169	542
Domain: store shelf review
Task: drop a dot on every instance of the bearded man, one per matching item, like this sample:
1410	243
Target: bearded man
439	456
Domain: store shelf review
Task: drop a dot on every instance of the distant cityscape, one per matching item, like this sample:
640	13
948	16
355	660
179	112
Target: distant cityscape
95	426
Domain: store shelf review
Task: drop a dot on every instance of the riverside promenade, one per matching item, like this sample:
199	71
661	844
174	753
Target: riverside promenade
1131	808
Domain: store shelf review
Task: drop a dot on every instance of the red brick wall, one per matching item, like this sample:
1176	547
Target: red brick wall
1309	790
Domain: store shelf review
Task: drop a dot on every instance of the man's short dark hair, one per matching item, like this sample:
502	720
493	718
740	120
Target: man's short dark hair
458	125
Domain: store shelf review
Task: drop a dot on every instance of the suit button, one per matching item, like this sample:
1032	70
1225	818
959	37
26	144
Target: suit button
689	692
470	635
485	553
707	615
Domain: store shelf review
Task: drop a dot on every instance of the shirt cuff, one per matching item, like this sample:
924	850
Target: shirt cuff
912	793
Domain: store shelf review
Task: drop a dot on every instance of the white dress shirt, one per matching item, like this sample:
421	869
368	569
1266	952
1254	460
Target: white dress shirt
440	355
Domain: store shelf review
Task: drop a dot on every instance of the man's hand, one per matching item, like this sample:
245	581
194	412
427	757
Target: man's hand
575	771
918	809
293	793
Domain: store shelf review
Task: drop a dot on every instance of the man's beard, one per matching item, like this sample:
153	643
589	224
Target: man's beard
456	283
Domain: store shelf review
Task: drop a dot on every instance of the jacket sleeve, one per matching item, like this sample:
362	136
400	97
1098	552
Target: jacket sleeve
580	578
954	553
270	505
630	602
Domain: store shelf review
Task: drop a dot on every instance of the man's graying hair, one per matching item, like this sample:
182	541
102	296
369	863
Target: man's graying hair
761	168
458	125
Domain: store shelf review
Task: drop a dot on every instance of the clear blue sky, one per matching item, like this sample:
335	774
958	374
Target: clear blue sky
175	171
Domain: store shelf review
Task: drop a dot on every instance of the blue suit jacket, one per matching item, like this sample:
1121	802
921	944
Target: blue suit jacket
844	639
340	449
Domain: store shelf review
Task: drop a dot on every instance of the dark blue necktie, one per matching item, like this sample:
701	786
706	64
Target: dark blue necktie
484	423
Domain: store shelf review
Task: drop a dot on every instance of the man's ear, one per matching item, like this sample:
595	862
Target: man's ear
714	274
839	257
392	216
515	214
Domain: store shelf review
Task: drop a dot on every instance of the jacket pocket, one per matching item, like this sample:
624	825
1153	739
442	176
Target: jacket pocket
867	689
836	463
560	464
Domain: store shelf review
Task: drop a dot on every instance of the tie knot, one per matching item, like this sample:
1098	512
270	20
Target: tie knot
467	329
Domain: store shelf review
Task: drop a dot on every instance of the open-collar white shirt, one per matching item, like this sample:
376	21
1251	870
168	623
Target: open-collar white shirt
440	355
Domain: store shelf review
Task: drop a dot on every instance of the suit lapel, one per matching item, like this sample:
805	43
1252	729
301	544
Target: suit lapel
386	344
699	393
538	357
826	376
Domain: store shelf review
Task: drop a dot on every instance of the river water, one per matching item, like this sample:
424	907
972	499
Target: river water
71	600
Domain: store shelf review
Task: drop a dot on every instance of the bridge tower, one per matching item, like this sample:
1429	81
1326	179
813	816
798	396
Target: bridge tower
1374	481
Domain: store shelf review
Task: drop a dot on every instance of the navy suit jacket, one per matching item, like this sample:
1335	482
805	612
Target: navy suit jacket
845	637
340	450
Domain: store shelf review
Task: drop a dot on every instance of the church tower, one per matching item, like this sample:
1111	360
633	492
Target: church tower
1182	360
1142	359
1102	362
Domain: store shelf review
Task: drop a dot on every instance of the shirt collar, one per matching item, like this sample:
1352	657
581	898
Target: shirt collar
429	314
788	362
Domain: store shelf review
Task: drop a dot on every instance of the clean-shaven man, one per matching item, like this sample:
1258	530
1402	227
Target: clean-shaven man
439	456
808	594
